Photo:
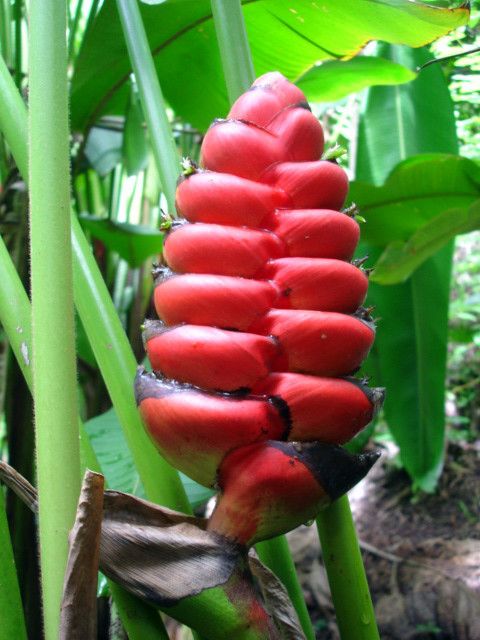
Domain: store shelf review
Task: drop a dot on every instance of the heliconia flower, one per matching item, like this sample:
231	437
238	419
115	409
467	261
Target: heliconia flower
261	325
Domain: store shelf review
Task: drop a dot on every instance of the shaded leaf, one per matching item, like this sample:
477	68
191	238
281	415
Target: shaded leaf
133	242
135	149
79	600
184	45
116	460
335	79
400	259
110	446
417	190
104	149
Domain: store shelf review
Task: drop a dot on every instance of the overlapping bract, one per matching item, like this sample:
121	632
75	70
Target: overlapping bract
261	322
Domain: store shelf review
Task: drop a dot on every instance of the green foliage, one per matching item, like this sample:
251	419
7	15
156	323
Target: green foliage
182	39
335	79
416	191
401	259
409	356
463	416
133	242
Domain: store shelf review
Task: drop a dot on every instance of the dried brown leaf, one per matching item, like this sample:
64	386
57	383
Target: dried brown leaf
79	603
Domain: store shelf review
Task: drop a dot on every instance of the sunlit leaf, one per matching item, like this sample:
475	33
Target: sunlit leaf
335	79
418	190
400	259
183	41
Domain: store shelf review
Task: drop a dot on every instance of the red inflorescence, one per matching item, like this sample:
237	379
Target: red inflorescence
261	320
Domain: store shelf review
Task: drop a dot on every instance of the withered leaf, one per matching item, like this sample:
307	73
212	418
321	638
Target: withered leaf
160	555
79	602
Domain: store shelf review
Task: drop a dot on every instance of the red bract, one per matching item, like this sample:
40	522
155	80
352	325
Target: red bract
261	317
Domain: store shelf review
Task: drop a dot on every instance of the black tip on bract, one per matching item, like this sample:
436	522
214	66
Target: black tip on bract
335	469
161	273
376	395
147	385
152	329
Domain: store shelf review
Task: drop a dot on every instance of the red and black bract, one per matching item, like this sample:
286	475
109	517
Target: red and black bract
261	322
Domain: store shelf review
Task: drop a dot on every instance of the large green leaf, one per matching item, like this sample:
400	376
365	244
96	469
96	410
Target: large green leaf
400	259
133	242
417	191
409	357
334	79
182	38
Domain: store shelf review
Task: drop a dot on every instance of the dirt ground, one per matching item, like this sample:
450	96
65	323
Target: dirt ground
422	553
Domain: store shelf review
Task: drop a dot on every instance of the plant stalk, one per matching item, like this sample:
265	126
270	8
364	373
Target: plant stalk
73	30
13	118
53	333
104	330
346	574
151	97
117	364
234	48
18	17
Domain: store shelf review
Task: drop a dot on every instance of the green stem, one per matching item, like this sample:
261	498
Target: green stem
13	118
105	333
18	17
151	97
234	48
53	333
13	621
5	33
275	554
346	574
92	15
73	30
141	621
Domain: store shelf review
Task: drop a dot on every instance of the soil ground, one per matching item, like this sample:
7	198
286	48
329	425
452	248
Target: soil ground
421	552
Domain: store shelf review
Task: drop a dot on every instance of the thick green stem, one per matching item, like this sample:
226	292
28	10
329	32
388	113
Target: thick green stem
5	33
234	48
346	575
13	621
53	333
151	97
104	330
13	118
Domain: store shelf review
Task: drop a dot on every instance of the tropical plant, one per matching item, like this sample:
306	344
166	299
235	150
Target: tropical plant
127	138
